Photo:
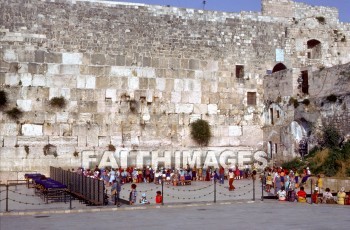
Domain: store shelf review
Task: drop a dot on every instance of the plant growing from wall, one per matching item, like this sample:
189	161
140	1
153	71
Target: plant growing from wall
133	106
3	99
50	149
111	148
26	149
201	132
294	102
332	98
76	154
14	113
58	102
306	102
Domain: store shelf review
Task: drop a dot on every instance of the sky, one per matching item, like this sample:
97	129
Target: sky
245	5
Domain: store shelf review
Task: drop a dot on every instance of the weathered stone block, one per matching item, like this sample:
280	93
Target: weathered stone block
26	79
10	56
32	141
212	109
178	85
39	80
25	105
195	97
184	108
32	130
70	69
53	57
12	79
63	141
72	58
234	131
98	59
9	141
39	56
194	64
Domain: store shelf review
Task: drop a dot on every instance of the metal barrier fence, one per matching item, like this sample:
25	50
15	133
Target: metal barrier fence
89	189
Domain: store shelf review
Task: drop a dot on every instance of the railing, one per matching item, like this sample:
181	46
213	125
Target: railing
89	189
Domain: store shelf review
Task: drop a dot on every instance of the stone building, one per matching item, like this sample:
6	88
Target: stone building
135	76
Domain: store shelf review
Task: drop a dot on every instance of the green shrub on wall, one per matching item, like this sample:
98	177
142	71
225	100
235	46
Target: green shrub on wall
58	102
14	113
201	132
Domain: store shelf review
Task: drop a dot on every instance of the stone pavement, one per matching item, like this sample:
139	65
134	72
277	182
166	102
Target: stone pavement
24	199
222	215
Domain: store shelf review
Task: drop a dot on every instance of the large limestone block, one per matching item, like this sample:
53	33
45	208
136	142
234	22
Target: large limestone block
8	129
10	56
32	141
11	79
192	85
133	83
212	109
53	57
25	105
195	97
234	131
72	58
70	69
32	130
175	97
160	84
53	69
26	79
63	141
184	108
39	80
62	117
178	85
9	141
252	135
111	94
121	71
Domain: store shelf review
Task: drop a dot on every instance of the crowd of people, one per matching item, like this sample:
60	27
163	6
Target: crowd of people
285	183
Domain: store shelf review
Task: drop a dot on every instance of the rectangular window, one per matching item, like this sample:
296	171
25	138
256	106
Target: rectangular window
278	114
305	83
271	116
275	149
239	71
251	98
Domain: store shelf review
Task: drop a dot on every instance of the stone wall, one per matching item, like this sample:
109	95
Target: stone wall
135	76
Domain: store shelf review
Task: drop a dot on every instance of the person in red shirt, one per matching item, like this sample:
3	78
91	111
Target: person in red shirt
314	196
301	195
159	197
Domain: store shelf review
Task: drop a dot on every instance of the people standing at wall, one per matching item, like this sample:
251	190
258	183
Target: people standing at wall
231	176
341	196
133	194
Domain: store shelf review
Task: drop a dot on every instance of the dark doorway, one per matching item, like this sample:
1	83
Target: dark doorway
278	67
314	49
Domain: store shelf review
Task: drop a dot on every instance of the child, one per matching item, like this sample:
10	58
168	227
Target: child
314	196
143	199
159	197
133	194
301	195
282	194
268	182
328	197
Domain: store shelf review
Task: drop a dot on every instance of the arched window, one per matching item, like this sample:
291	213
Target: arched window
278	67
314	49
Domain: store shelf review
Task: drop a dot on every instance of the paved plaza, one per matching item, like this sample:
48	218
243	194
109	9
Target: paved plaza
22	198
236	215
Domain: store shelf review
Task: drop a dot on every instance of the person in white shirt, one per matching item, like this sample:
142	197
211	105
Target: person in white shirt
282	194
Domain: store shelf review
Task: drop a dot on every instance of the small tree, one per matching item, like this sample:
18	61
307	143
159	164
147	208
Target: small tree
58	102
